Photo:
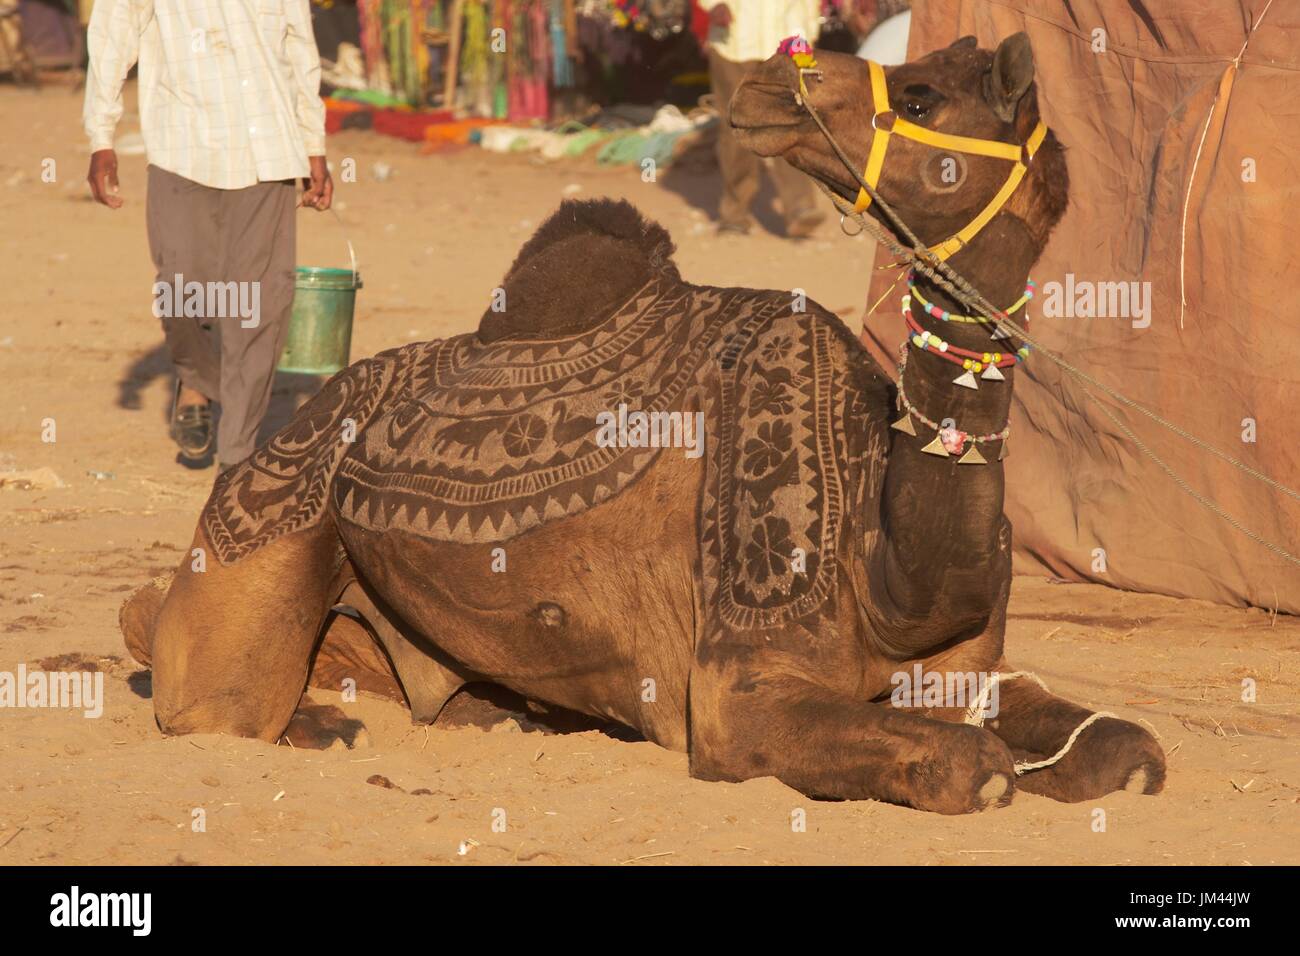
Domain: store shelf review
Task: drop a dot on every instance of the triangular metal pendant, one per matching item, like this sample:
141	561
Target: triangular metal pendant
1000	333
936	448
972	456
905	425
967	380
1005	451
993	374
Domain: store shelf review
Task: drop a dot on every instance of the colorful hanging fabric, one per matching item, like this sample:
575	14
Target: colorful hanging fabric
392	44
474	56
528	56
371	25
561	60
499	65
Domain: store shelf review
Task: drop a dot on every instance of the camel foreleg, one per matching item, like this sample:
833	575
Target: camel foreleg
751	722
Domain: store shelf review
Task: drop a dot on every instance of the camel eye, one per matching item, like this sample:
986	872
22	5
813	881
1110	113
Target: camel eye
919	100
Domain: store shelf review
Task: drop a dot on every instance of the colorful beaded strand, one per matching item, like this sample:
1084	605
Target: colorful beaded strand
944	316
927	341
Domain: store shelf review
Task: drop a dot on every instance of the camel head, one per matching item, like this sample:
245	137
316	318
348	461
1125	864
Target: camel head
954	143
960	90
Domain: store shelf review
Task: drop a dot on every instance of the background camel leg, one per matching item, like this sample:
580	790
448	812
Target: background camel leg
232	643
428	676
349	651
1109	755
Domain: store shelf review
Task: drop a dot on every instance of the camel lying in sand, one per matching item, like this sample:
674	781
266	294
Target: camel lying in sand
519	506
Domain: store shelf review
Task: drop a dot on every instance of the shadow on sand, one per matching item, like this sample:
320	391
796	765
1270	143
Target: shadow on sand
289	391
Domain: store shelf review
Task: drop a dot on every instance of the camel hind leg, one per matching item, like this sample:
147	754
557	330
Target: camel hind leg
232	643
376	652
428	677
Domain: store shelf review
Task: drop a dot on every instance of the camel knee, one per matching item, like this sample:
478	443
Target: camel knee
210	677
197	693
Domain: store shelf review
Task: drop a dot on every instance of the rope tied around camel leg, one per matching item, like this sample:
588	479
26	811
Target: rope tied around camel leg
975	717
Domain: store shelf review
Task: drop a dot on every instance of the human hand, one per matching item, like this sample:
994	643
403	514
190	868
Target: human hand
318	192
103	178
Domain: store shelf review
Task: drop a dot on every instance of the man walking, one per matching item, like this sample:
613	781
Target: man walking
231	115
742	34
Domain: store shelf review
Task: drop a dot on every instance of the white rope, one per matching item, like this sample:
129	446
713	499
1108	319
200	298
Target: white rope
1024	767
975	717
975	712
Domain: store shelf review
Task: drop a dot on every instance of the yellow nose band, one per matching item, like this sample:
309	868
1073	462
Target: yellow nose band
887	123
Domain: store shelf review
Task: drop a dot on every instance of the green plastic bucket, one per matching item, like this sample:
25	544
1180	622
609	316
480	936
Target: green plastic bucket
320	328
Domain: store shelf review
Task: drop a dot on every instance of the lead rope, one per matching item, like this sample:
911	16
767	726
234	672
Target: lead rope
975	718
947	278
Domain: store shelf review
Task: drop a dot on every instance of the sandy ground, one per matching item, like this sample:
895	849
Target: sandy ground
77	345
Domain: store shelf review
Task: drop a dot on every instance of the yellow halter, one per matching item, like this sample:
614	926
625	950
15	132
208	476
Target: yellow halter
887	123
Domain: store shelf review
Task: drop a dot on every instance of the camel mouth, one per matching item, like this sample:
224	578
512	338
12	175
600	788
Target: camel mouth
844	190
766	138
759	127
765	117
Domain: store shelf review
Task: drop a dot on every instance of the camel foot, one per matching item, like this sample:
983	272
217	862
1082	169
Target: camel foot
987	765
992	793
1110	755
964	769
1137	781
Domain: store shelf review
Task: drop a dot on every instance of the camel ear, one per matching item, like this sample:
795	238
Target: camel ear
965	43
1011	76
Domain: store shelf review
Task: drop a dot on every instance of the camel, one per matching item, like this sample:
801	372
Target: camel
751	606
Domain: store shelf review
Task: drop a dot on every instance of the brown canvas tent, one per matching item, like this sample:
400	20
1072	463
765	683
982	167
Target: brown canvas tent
1181	121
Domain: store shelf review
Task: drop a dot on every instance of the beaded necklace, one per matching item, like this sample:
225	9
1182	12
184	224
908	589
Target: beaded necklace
972	363
948	440
945	316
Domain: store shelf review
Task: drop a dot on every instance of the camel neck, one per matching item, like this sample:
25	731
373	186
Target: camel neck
997	263
942	518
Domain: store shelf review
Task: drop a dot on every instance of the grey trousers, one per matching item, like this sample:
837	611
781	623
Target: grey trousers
740	168
240	246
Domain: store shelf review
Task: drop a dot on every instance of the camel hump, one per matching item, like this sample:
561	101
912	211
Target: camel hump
586	260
